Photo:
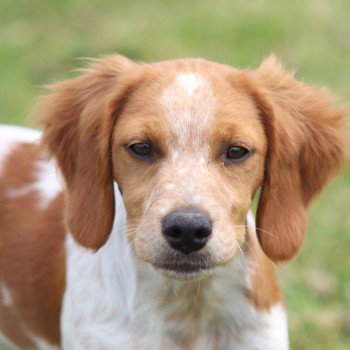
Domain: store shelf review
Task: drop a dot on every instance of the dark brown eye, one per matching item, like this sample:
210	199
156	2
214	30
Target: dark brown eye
141	150
236	153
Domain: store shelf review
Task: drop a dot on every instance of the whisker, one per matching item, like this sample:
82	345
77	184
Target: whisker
176	294
267	232
127	250
199	287
256	258
237	259
130	232
259	229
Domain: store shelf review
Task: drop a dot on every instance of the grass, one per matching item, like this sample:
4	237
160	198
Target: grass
40	42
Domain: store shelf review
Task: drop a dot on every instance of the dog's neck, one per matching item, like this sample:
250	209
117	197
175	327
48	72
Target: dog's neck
141	307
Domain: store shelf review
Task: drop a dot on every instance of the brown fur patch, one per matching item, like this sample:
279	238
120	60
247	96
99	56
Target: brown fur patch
265	291
32	252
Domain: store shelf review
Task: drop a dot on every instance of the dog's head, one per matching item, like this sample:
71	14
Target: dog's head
189	142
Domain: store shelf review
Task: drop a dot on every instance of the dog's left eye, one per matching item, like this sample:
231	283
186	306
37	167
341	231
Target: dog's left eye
236	153
141	150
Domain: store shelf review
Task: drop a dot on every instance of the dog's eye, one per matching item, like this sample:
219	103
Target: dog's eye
236	153
141	150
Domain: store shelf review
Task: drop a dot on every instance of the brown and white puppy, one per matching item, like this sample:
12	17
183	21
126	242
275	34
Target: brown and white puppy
138	234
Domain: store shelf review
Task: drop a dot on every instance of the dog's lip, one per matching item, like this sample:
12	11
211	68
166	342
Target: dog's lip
190	269
182	267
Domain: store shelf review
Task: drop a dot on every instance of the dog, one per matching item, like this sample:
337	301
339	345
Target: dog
126	223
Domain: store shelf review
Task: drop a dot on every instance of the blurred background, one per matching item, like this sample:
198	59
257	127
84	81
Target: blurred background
41	41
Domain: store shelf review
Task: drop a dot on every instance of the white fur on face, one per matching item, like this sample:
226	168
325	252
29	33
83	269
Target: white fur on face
189	106
189	109
189	82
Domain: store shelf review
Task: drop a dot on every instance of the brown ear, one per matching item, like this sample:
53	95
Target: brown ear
78	120
305	149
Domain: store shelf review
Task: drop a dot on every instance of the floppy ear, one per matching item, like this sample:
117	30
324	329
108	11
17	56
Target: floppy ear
305	149
78	118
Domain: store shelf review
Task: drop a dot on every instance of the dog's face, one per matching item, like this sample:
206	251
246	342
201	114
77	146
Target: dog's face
188	154
188	143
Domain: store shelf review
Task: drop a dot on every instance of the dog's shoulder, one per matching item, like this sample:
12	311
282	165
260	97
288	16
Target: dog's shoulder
31	238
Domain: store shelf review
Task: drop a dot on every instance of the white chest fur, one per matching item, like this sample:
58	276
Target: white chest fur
114	302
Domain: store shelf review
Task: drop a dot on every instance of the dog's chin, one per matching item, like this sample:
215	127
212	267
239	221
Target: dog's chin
192	275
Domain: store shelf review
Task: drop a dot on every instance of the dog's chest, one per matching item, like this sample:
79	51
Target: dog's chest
113	302
209	314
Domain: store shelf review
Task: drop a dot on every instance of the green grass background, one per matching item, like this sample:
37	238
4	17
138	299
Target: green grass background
40	42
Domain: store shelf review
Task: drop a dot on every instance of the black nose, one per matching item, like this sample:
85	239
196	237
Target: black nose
187	230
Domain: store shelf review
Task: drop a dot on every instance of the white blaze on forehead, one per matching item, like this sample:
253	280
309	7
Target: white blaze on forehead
189	82
189	108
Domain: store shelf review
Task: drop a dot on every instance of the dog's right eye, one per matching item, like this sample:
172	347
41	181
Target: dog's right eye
143	150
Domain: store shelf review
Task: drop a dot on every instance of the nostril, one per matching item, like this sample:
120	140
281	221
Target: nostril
175	233
202	234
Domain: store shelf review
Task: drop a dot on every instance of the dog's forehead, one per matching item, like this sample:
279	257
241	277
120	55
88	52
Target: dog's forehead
188	104
195	102
186	87
185	103
189	83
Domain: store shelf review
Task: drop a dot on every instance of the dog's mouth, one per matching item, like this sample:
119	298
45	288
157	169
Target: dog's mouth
184	267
